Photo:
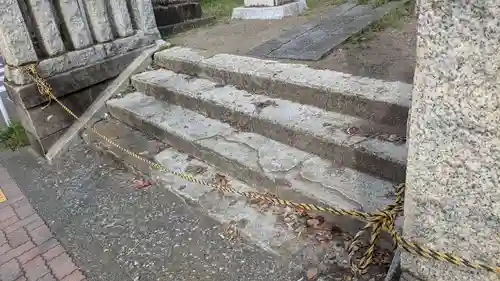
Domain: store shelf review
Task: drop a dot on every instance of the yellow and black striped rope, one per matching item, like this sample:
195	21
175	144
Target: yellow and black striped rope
381	220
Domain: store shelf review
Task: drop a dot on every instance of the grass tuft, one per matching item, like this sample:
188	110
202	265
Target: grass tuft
13	137
219	8
395	19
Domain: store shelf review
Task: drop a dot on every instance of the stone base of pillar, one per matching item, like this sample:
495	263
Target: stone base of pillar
263	12
76	88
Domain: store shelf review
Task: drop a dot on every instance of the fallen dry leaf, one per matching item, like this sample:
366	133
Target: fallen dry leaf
311	273
314	223
142	183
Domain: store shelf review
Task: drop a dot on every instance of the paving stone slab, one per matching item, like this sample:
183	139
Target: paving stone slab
316	39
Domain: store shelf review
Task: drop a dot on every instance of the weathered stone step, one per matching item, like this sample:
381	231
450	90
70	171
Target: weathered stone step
254	159
279	231
264	227
376	100
346	140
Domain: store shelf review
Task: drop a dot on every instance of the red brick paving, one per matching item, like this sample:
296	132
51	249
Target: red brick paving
28	250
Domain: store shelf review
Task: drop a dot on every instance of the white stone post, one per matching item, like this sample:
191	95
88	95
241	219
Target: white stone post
269	9
452	199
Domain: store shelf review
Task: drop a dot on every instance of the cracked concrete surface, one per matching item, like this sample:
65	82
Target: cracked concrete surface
376	100
263	229
253	158
327	134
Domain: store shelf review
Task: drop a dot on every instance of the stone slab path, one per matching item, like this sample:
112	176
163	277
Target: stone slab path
317	38
28	250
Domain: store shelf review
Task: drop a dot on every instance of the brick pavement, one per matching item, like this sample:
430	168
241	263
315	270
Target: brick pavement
28	250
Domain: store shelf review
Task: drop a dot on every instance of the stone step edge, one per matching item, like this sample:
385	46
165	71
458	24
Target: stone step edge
298	125
380	101
294	174
284	246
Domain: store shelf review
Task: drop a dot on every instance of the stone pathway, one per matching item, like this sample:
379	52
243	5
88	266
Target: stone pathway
317	38
28	250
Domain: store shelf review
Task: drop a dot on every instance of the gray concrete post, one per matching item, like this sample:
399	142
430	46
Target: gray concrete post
453	178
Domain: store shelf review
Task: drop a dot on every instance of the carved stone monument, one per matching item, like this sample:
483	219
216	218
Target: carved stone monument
77	45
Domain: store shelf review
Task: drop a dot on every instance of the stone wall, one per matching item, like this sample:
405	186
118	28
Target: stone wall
78	46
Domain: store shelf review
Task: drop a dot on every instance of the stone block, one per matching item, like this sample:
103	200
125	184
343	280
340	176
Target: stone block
173	14
139	64
100	26
79	58
74	80
59	64
270	13
15	41
120	16
53	118
124	45
185	26
74	19
44	16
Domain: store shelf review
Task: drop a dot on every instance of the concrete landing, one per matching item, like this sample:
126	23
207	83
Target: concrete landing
316	39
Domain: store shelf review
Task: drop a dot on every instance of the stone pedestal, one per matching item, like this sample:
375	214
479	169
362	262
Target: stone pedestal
174	16
269	9
452	199
77	45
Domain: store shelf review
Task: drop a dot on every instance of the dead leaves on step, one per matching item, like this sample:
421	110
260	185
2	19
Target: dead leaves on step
361	132
317	231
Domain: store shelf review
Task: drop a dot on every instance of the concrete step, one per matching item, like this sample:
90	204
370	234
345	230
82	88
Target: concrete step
259	161
346	140
375	100
279	231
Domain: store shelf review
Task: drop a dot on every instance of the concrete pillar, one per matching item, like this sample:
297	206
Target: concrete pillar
75	22
120	18
99	21
15	41
43	14
453	179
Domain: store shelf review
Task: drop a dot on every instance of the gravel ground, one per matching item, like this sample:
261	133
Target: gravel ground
116	232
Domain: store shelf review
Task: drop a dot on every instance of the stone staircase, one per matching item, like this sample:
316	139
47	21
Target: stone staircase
314	136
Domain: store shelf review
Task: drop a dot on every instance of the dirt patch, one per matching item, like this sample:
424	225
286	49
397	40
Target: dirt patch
387	54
